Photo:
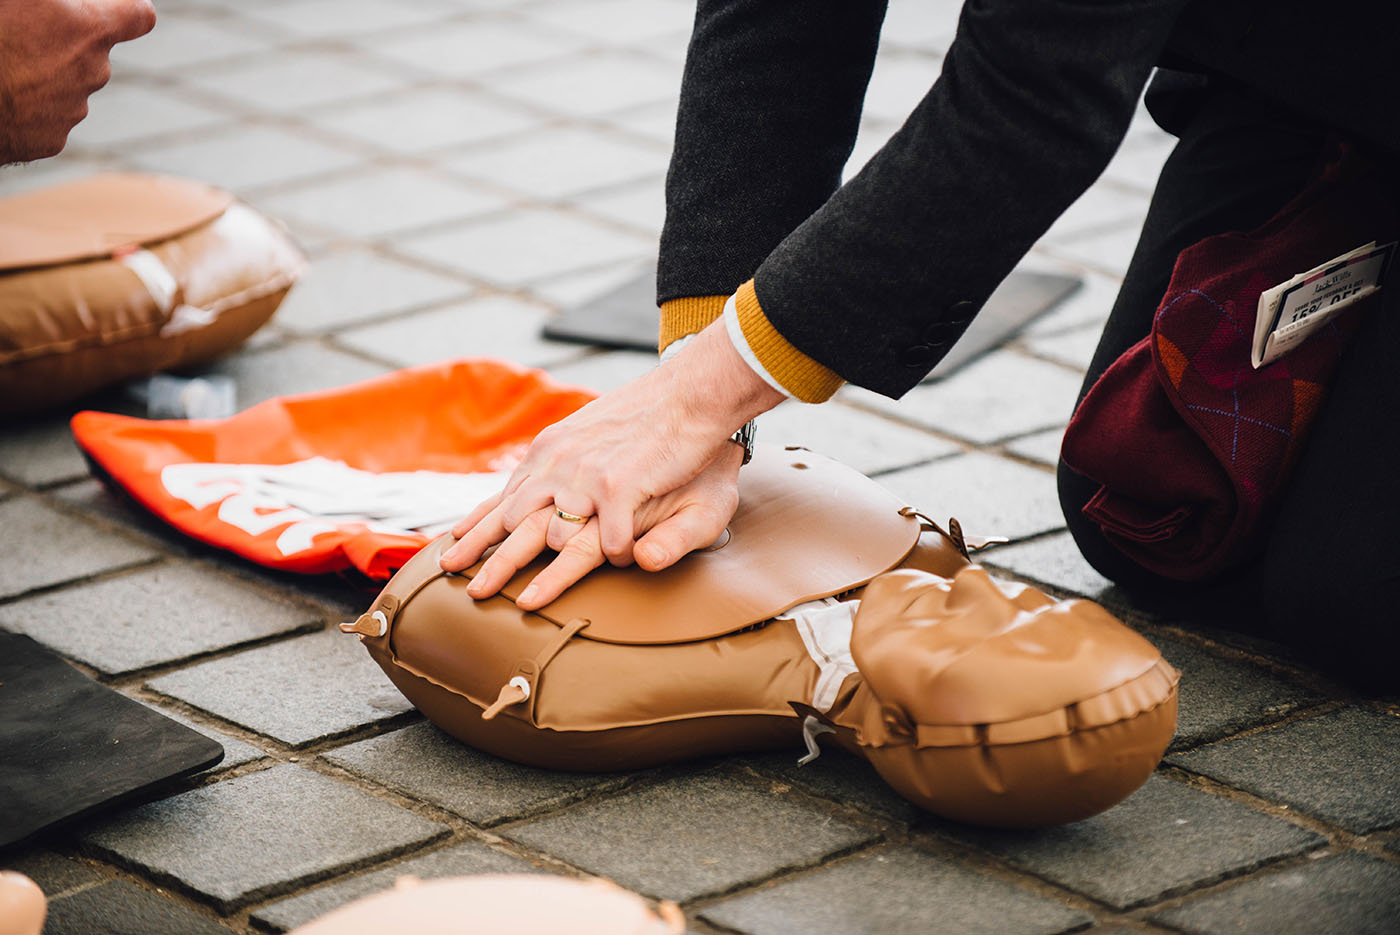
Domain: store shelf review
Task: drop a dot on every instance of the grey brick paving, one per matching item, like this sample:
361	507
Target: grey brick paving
603	372
120	908
95	498
1038	446
1220	696
246	838
990	496
1072	348
57	548
293	81
1052	560
351	286
589	86
870	445
531	164
422	119
453	861
40	452
53	872
236	752
677	839
465	49
151	616
1349	894
427	764
491	326
1164	838
244	158
838	776
294	368
298	691
893	891
123	114
1341	767
1001	395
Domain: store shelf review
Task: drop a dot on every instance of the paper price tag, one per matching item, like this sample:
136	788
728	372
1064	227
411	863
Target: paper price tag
1291	311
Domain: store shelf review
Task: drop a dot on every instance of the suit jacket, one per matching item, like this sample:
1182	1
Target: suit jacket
877	278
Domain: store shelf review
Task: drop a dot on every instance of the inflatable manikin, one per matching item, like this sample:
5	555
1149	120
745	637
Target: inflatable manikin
830	607
22	905
120	276
500	904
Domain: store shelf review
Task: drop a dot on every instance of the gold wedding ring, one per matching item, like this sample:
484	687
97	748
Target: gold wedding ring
569	517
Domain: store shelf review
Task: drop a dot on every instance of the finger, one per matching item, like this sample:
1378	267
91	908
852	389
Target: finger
580	555
679	535
518	550
129	19
561	530
478	513
474	542
616	528
528	498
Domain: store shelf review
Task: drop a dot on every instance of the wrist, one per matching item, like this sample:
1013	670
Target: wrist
717	389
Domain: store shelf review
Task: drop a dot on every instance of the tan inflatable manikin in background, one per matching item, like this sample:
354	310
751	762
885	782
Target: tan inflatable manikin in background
981	701
121	276
504	904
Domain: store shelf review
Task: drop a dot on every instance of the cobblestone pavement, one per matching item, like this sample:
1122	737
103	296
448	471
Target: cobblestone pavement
458	172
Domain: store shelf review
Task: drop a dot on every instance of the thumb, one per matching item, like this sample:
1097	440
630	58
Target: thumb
690	528
128	19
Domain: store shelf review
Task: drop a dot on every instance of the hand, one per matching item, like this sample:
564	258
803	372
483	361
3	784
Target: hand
636	444
53	54
671	526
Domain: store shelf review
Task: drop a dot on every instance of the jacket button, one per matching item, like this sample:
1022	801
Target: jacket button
962	311
941	333
918	356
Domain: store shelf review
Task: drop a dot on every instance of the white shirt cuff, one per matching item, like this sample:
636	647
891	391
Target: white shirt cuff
741	344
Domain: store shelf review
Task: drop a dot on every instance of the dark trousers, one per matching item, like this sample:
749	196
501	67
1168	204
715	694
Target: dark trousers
1328	581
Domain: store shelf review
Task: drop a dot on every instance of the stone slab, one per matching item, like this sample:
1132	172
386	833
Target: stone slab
423	119
590	86
57	548
1164	839
1053	560
530	164
990	496
121	908
299	691
299	367
248	838
893	891
604	372
423	762
1348	894
152	616
869	444
841	777
236	752
463	860
1038	446
692	835
1220	696
244	157
53	872
1341	767
39	452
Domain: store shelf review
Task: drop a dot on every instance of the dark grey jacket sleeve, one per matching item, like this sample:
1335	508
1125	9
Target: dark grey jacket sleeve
881	278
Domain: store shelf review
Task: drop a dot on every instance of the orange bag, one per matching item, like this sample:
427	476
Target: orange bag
358	476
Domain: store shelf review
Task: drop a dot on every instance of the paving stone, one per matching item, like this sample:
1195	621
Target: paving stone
1052	560
1001	395
615	21
1088	305
494	326
121	908
461	50
840	776
236	752
38	452
1039	446
1138	163
531	164
590	86
1164	839
1108	252
918	893
151	616
1219	696
989	496
291	368
572	289
247	838
526	245
642	206
181	42
1103	206
92	496
464	860
898	84
867	443
604	372
53	872
57	548
356	285
676	840
122	113
292	81
1073	348
653	121
1340	767
423	762
245	157
67	166
335	18
298	691
423	119
1349	894
380	202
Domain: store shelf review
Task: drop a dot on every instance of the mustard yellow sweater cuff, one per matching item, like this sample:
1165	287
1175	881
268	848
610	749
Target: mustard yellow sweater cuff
689	315
799	374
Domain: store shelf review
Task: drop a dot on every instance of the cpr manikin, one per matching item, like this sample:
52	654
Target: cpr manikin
830	609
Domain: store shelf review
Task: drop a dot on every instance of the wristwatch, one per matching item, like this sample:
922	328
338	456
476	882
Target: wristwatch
744	439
